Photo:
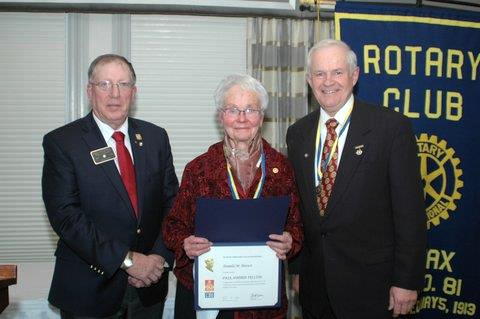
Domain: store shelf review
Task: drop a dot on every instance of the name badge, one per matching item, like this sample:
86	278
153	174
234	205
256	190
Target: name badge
102	155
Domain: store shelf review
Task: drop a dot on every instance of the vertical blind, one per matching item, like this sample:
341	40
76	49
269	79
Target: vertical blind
179	62
32	102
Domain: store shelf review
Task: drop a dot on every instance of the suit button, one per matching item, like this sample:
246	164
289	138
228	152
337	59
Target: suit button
323	235
139	231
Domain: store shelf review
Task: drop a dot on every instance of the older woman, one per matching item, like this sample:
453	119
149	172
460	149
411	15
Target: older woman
230	169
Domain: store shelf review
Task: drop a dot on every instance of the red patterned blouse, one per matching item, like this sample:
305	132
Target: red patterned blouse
206	176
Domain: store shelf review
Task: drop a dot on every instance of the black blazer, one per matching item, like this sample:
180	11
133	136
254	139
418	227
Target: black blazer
374	233
89	209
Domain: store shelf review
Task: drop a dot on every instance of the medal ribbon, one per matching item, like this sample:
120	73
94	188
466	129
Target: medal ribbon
320	167
258	191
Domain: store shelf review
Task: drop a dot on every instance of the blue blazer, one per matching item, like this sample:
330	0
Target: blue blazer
89	209
374	233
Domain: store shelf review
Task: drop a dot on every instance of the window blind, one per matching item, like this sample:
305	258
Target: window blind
179	61
32	95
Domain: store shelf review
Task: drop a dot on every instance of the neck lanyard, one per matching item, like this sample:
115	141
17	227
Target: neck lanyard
319	167
258	191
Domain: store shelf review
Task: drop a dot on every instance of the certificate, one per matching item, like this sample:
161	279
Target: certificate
237	276
240	270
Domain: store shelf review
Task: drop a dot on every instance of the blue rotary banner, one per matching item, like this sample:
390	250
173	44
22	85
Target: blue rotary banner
425	63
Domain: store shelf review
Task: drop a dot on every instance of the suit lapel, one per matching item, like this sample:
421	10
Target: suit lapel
94	139
307	151
357	138
138	149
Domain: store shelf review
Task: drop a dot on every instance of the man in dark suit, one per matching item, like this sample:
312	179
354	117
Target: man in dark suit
108	180
361	199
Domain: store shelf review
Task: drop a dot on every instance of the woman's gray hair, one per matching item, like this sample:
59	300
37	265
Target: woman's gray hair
351	56
246	83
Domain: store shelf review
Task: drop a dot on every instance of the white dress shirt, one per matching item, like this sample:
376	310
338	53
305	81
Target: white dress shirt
107	133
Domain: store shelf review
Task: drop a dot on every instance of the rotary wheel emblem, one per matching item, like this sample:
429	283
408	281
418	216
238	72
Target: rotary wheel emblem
441	177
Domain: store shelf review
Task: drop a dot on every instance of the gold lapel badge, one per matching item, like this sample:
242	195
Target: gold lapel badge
138	139
359	149
275	170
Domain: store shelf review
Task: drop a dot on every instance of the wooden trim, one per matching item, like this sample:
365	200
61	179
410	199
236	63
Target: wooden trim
8	276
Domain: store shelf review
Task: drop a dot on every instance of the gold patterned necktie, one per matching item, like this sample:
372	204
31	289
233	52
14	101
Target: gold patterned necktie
329	171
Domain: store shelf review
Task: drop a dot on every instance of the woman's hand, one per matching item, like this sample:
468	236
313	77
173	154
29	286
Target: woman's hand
195	246
281	244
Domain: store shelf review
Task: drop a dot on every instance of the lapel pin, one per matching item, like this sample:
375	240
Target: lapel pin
275	170
305	155
359	149
138	138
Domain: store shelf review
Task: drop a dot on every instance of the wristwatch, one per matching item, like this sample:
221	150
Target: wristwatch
128	261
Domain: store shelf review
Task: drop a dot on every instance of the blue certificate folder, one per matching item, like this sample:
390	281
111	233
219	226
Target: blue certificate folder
245	222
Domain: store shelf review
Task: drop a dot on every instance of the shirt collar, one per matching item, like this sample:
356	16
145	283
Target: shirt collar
342	114
107	131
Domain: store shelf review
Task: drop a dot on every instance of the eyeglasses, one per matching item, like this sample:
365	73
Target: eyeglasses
235	112
108	85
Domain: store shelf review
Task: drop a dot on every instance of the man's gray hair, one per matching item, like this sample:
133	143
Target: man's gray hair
351	56
246	83
107	58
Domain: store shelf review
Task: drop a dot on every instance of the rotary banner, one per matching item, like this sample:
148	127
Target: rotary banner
425	63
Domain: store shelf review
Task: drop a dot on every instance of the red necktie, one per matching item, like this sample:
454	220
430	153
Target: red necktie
127	171
324	189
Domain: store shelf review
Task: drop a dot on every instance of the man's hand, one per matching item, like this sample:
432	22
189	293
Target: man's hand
195	246
401	300
281	244
146	270
137	283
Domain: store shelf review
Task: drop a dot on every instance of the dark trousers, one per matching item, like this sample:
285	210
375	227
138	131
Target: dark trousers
131	308
328	314
184	305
